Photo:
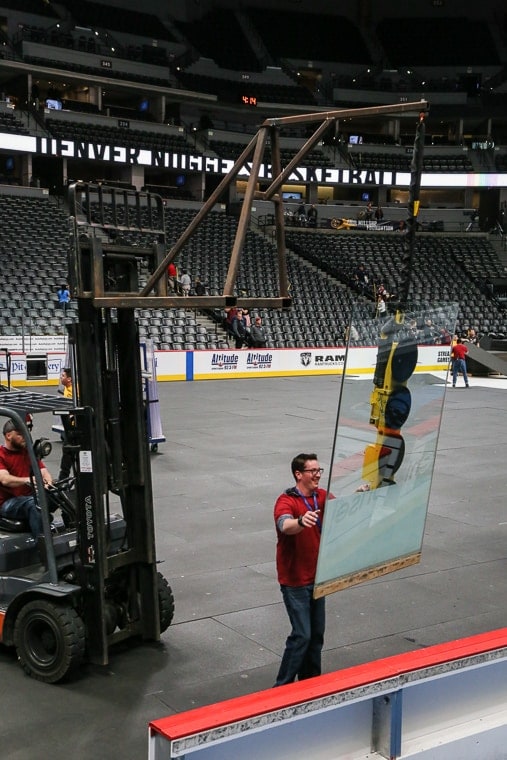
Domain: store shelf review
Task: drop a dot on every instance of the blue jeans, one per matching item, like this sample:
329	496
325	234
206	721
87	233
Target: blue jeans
303	648
23	508
459	365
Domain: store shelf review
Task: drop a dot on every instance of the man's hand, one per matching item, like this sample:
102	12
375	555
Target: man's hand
47	478
310	518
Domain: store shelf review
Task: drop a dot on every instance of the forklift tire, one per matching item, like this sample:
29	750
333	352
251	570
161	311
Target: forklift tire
165	603
49	640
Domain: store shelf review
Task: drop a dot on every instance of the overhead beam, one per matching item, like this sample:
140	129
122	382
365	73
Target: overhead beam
129	301
414	107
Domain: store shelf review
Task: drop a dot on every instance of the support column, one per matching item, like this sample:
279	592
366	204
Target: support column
460	132
158	109
137	177
26	169
386	732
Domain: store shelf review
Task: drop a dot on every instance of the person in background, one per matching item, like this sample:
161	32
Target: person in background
301	215
63	296
66	381
312	216
430	332
360	279
350	335
444	337
381	307
229	314
185	283
238	329
172	275
199	287
458	356
471	337
68	392
247	319
298	515
257	334
17	500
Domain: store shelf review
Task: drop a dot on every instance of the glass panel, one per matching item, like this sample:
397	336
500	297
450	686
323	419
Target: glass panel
385	445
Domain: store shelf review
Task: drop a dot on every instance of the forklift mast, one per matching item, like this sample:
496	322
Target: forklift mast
117	237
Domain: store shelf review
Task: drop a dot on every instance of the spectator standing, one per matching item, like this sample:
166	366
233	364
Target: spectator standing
458	356
312	216
68	392
257	334
381	307
229	315
361	279
301	215
185	283
238	329
63	296
247	320
172	275
379	214
298	516
381	291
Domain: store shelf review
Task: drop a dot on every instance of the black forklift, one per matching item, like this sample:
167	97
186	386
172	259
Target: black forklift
92	582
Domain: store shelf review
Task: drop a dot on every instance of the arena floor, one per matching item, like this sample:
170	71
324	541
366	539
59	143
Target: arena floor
226	458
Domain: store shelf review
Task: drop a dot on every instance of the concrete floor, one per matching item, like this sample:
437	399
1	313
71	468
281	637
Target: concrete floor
226	458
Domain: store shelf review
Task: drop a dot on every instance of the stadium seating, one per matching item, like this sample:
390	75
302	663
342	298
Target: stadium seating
320	267
246	43
132	138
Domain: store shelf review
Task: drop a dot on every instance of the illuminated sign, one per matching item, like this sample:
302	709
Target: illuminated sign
188	162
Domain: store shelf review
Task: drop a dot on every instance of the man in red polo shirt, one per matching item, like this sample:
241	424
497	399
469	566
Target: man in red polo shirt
298	517
16	490
458	355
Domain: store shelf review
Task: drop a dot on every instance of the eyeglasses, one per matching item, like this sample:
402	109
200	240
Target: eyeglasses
315	471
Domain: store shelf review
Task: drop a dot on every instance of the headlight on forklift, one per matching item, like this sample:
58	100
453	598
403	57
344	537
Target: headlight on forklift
42	448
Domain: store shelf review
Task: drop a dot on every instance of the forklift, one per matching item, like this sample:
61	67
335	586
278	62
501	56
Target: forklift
81	588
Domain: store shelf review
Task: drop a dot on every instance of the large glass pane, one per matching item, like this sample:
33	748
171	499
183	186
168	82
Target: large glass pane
385	445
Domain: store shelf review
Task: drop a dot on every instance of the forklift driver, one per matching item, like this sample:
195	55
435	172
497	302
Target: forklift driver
17	501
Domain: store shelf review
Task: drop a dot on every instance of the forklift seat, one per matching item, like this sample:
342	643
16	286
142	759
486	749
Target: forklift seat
14	526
